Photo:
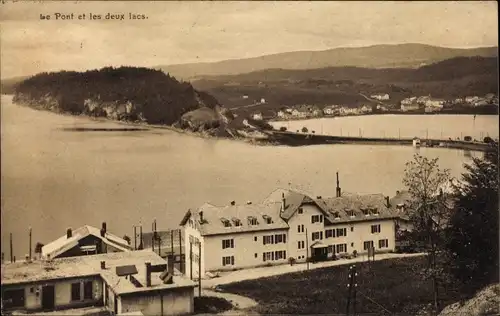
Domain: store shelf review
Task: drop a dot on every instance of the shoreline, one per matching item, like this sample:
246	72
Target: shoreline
275	137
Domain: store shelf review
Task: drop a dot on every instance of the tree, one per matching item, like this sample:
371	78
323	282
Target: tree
473	234
304	129
428	212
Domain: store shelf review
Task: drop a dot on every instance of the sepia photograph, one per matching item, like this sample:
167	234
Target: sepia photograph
249	158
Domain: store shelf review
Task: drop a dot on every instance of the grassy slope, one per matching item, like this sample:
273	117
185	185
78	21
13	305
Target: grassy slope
394	284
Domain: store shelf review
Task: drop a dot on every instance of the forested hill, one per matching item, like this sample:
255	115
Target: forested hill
125	93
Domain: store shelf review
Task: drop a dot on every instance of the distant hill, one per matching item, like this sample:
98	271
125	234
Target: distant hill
377	56
125	93
8	86
460	76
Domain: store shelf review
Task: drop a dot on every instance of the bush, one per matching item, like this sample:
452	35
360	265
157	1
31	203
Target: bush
304	129
487	140
211	305
291	260
283	128
468	138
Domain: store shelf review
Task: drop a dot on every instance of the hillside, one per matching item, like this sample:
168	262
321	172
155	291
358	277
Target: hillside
377	56
125	93
8	86
456	77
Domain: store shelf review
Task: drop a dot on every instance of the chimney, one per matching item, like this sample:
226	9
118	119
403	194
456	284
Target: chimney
148	274
103	265
233	202
170	264
338	192
201	216
283	202
69	233
387	202
103	229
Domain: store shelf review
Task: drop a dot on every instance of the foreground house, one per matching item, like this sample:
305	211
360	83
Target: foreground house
287	224
86	240
118	283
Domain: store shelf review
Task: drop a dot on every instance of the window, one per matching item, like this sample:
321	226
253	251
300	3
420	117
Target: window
236	222
341	248
336	215
87	290
383	243
252	221
300	244
301	210
351	213
367	244
227	243
255	238
274	255
267	239
13	298
228	261
375	229
352	228
341	232
255	255
317	235
75	291
365	211
280	238
352	244
300	228
268	219
317	219
329	233
375	211
226	222
330	249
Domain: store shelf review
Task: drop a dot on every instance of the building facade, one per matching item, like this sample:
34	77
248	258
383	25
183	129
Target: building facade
286	226
136	281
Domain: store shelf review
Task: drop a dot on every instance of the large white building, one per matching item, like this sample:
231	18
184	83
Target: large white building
287	224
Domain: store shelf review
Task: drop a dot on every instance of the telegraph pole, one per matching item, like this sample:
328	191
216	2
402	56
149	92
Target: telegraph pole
30	244
199	269
307	250
352	285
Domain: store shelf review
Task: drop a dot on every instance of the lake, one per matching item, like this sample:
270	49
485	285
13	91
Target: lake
400	126
54	176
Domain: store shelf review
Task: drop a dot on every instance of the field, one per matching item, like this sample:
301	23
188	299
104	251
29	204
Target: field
388	287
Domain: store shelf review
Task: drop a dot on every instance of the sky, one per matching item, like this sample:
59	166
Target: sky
185	32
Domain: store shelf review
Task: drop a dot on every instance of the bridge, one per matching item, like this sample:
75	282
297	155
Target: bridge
303	139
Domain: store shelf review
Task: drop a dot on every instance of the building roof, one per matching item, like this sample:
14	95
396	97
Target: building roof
87	266
338	209
214	217
293	200
63	244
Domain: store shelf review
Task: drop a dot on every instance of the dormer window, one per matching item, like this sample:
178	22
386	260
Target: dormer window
236	222
365	212
301	210
226	222
252	220
351	213
268	219
336	215
375	212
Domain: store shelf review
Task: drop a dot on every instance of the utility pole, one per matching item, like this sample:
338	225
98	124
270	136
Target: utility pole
307	250
30	245
352	285
141	246
11	250
135	237
172	243
191	261
180	252
199	269
153	236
